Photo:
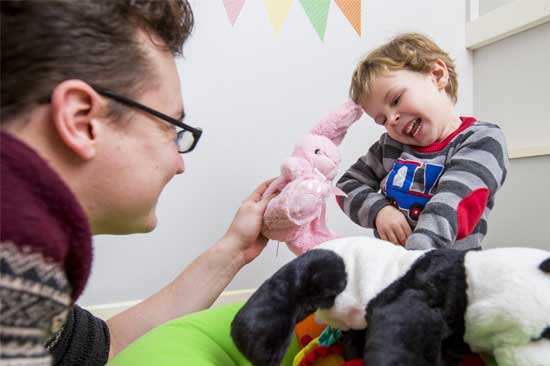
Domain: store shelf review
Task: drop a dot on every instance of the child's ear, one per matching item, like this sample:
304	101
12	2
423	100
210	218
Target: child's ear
440	74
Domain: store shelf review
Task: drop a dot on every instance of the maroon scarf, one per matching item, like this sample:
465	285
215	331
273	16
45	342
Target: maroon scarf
40	213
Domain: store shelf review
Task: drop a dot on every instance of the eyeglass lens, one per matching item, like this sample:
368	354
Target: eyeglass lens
184	140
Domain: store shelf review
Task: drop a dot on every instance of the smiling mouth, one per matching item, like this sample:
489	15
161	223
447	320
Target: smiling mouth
413	127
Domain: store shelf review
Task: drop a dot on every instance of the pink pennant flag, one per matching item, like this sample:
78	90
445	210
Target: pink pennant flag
233	9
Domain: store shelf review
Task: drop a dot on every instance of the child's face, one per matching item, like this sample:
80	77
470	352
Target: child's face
413	107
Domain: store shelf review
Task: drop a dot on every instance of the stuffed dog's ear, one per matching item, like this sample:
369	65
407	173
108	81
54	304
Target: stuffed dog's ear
263	328
405	330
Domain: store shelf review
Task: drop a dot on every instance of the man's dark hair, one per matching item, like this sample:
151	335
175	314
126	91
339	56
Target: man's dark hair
46	42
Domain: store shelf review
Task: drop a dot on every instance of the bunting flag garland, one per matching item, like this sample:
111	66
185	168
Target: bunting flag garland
277	10
233	9
352	11
317	12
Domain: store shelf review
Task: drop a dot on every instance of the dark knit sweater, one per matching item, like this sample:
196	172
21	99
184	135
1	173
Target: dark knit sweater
45	261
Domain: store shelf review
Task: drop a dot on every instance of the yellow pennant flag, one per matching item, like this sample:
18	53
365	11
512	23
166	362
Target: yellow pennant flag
352	11
277	10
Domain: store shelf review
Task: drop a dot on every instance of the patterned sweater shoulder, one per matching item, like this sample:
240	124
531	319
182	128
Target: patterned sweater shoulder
45	257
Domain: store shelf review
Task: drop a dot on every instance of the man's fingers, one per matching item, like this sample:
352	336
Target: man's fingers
256	196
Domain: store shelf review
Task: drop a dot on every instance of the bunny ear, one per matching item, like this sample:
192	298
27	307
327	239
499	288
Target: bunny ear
263	328
336	124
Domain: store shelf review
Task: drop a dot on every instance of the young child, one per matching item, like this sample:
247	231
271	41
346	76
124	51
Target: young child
430	180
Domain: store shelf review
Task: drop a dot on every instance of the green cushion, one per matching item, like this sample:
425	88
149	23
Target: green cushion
199	339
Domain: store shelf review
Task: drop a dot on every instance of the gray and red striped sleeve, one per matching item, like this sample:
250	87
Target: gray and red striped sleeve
456	215
361	182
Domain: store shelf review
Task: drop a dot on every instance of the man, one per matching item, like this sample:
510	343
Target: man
91	132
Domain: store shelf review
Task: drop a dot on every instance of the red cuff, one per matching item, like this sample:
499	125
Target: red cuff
470	210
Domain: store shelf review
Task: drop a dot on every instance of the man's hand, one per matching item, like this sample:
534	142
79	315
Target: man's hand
392	225
244	234
201	282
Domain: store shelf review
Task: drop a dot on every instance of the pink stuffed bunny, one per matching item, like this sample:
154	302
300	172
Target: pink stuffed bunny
297	216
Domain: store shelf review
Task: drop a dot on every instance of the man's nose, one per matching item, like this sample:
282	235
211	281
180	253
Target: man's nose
181	165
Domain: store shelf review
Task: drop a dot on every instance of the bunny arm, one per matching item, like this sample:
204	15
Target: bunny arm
295	167
305	198
313	234
289	215
291	169
297	216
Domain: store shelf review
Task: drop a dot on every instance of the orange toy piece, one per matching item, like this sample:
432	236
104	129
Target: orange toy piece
307	330
312	353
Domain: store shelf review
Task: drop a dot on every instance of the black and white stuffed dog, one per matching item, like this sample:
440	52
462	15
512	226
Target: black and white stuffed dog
419	305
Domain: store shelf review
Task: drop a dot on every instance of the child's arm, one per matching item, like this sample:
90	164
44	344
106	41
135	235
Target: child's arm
361	183
465	193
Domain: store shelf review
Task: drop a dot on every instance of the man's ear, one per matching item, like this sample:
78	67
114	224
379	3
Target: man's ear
76	108
440	74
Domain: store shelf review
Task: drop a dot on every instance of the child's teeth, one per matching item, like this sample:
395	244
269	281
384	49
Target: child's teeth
414	127
411	127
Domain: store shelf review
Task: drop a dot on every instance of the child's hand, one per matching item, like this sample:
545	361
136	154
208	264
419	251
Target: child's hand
392	225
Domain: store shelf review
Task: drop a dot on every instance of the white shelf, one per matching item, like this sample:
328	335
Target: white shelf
504	21
527	152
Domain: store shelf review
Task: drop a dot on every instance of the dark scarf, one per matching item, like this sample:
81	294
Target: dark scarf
41	214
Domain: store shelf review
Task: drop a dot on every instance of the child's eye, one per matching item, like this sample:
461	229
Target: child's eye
396	101
317	151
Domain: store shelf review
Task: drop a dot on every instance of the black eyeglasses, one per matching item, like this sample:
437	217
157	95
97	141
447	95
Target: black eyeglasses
186	139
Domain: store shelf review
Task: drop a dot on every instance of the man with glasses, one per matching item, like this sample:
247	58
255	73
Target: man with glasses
91	132
187	137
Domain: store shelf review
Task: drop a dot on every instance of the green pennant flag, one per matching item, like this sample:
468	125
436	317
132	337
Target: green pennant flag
317	12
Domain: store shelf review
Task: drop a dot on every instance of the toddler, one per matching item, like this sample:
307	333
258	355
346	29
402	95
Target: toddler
431	178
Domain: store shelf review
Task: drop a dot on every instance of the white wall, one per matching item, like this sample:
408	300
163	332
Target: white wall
521	216
486	6
511	79
511	86
255	93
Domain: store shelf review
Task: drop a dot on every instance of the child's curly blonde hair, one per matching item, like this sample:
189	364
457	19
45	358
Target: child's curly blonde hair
410	51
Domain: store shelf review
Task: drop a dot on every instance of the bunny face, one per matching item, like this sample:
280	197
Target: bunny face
321	153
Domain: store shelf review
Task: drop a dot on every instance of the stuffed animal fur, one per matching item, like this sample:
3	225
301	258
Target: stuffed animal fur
420	306
297	216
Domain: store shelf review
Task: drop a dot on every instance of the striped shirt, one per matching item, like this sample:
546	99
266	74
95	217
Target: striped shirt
445	190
